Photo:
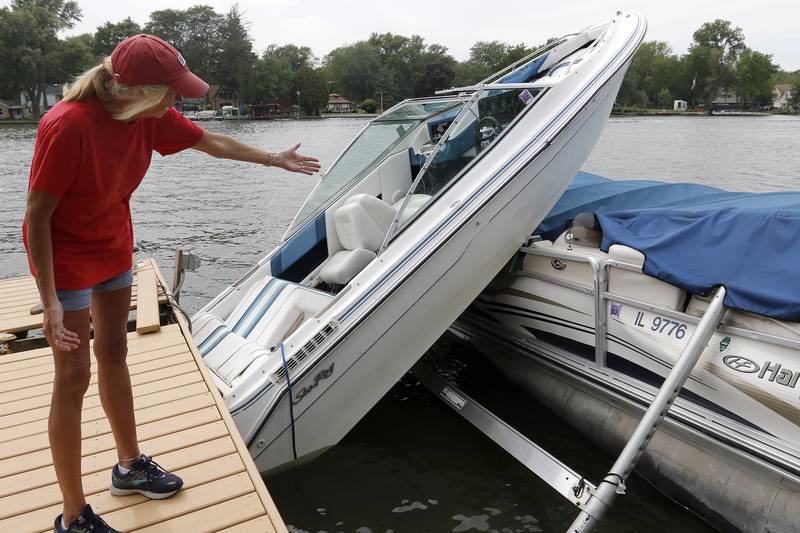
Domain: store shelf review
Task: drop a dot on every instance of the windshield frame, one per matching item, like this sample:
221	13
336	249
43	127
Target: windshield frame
298	223
396	228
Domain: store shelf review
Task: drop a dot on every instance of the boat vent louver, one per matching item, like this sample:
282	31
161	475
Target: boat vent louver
307	349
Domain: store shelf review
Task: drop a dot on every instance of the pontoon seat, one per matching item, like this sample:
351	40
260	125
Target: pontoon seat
639	285
361	225
270	311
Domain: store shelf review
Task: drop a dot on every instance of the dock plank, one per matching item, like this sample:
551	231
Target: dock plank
19	294
147	319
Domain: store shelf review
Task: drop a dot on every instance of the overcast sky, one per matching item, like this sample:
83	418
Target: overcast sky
770	26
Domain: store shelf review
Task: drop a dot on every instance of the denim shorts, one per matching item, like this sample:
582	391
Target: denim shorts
82	298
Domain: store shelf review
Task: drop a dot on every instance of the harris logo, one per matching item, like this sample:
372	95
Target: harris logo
741	364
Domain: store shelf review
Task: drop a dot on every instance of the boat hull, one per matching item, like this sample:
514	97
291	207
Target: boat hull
362	366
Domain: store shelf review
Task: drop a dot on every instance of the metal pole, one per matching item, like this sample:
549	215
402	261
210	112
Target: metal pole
614	482
177	274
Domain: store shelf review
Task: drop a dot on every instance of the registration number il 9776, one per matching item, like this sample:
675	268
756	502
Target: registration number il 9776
660	324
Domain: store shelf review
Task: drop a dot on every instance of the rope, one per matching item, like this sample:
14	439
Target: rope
291	408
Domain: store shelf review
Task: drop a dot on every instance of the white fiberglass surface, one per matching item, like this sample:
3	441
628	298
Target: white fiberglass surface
478	127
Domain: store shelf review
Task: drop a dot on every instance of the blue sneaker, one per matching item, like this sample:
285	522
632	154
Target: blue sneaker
87	522
146	477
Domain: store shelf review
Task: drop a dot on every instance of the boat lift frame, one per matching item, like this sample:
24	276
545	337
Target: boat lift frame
593	501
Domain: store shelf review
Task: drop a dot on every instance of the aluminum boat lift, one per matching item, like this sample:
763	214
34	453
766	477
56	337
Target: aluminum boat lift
593	501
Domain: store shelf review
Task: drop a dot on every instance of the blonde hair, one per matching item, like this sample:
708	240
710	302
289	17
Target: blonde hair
122	101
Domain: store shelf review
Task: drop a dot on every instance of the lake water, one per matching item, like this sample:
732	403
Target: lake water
411	465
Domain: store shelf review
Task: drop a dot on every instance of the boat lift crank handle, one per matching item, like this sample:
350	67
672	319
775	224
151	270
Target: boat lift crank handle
613	484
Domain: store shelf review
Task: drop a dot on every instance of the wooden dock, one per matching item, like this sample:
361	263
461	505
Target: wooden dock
182	421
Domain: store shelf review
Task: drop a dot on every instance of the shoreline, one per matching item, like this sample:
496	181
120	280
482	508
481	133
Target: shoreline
614	113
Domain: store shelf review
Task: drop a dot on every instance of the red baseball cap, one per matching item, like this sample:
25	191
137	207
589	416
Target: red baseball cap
147	60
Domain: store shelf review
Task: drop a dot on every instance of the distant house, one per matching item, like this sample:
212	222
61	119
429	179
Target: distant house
10	110
339	104
726	97
53	94
219	95
270	109
781	94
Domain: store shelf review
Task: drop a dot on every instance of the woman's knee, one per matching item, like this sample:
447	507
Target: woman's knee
111	350
73	374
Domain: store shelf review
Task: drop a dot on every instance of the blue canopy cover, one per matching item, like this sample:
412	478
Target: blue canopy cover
698	237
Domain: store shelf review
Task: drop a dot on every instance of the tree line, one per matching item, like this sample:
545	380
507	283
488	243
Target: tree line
718	61
385	67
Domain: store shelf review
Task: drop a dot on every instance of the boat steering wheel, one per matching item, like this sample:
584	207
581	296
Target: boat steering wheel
488	129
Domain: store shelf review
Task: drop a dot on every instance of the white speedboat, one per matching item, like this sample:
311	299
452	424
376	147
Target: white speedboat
410	223
591	318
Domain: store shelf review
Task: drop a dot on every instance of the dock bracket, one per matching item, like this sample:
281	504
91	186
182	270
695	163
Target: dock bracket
183	261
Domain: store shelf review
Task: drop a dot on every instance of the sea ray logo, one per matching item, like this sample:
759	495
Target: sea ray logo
724	343
181	60
741	364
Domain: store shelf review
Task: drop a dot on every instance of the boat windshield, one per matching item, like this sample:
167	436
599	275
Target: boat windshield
372	145
474	132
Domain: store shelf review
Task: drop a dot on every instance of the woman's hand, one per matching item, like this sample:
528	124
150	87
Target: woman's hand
290	160
59	337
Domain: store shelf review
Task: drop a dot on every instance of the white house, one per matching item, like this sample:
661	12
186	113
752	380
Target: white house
781	94
52	95
339	104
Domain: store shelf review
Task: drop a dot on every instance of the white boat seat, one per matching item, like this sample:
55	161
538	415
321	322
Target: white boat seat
344	266
361	225
270	311
362	222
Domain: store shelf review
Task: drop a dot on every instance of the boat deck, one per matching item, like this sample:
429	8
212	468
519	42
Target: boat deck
181	418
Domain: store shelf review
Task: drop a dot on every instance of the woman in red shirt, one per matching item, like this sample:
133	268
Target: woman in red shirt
92	151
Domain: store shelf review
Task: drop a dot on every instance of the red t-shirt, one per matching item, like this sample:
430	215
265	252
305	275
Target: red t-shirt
93	163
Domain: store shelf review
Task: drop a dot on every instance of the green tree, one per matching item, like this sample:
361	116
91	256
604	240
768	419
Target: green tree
754	72
32	50
236	57
712	57
74	55
110	34
313	88
436	71
515	53
665	98
794	97
296	56
195	32
490	55
369	105
709	73
272	78
467	74
721	35
354	70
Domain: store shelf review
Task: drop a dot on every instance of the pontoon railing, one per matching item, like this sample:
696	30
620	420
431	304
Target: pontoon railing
603	295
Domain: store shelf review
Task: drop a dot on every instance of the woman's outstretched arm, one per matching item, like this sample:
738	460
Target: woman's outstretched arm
222	146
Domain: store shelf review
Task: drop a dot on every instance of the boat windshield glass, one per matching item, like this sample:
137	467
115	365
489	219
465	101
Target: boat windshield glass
475	131
374	143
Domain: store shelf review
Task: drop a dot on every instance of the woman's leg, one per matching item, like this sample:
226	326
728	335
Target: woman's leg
72	374
109	317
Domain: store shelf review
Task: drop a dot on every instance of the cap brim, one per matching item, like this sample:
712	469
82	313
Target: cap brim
189	86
